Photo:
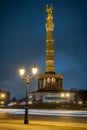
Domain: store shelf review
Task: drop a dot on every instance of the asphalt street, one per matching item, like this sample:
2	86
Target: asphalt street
67	119
10	121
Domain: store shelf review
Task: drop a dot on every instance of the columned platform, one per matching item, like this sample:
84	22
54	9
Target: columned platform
50	81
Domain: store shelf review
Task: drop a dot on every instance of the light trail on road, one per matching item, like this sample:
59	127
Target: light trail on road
47	112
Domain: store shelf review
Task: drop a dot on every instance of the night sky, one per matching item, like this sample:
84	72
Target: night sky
22	42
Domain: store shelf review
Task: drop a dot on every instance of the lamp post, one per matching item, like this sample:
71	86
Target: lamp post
27	79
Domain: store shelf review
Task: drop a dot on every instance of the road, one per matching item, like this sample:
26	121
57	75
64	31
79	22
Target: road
45	115
13	119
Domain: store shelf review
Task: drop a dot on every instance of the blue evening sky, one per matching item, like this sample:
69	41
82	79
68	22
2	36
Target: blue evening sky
22	41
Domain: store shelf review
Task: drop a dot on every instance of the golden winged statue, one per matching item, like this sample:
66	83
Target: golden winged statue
49	10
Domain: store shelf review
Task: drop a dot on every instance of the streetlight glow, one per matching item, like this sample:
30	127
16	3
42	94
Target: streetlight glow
22	71
62	95
3	95
2	102
34	70
67	95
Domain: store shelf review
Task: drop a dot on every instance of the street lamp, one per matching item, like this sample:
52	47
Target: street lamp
27	79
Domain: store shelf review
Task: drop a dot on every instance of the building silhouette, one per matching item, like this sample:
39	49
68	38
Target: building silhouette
4	98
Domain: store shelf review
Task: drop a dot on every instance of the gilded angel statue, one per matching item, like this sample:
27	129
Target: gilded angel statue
49	10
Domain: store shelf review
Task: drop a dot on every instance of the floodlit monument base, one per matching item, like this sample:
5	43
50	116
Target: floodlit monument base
50	90
52	97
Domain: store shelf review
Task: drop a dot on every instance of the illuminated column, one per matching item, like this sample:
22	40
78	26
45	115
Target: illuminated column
49	41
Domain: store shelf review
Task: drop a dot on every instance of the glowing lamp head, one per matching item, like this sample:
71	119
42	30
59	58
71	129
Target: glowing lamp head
34	70
22	71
